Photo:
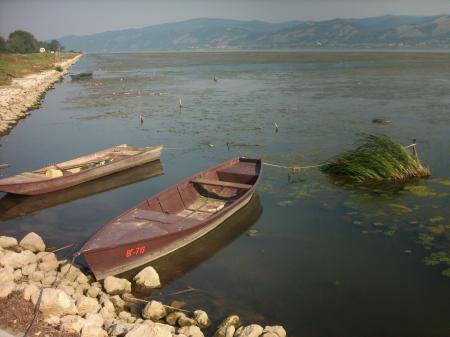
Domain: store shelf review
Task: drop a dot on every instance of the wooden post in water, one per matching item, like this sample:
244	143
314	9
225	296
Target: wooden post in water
180	103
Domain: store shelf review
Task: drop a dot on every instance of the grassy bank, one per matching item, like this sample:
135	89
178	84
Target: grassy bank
20	65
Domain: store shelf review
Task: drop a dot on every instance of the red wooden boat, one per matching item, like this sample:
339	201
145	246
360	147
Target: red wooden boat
173	218
76	171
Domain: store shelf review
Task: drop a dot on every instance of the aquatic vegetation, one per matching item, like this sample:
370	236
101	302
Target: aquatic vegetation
284	203
420	191
377	159
401	208
446	272
445	182
437	230
437	219
437	258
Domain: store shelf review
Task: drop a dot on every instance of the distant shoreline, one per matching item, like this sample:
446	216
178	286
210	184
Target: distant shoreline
306	50
25	93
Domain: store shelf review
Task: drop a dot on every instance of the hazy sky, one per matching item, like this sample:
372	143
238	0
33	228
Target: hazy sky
56	18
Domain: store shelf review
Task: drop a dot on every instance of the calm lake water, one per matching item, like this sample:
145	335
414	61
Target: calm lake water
326	260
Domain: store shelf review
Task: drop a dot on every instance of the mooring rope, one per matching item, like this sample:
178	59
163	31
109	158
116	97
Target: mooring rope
299	168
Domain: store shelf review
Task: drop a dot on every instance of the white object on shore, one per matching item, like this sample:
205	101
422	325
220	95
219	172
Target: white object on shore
7	241
147	278
33	242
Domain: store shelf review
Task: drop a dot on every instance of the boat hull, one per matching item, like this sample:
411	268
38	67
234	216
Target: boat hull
122	258
36	187
186	213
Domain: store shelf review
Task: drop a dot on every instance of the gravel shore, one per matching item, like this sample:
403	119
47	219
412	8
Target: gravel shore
72	303
24	94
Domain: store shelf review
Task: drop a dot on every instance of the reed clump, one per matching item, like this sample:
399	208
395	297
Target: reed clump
377	159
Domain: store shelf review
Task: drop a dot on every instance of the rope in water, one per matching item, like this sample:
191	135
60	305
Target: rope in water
299	168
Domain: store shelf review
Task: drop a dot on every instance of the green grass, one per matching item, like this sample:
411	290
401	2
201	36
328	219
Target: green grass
19	65
377	159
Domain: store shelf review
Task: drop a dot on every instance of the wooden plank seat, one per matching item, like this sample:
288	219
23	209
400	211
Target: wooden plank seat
157	216
222	183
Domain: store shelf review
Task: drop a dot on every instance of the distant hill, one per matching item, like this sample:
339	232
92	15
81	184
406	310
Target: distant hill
216	34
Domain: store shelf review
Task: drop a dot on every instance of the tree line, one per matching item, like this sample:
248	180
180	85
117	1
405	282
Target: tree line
24	42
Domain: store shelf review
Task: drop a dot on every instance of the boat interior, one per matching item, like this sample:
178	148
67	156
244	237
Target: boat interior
185	205
203	195
82	163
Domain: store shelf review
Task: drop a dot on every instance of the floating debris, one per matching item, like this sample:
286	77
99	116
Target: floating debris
251	233
381	121
376	159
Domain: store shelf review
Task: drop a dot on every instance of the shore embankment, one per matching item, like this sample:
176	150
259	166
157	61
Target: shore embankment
25	93
72	303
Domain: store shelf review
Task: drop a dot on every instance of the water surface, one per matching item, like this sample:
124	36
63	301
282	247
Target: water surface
326	260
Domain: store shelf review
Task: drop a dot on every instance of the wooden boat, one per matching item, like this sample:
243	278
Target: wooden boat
173	218
79	170
14	205
180	262
81	76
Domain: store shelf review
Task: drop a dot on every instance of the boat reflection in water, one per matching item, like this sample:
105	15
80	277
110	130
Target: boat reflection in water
183	260
13	206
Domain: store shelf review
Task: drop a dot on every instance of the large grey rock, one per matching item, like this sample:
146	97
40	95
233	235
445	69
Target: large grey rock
106	314
87	305
33	242
17	260
70	272
118	302
55	302
37	276
7	288
147	329
17	275
116	286
6	275
94	319
90	330
173	317
93	292
29	291
154	310
53	320
252	330
117	329
108	305
229	321
29	269
186	321
191	331
201	317
47	266
229	331
275	329
72	324
48	280
147	278
46	257
7	241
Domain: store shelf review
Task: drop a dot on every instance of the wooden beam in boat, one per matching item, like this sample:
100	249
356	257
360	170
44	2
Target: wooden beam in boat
222	183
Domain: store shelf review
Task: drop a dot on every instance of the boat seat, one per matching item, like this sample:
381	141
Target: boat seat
157	216
222	183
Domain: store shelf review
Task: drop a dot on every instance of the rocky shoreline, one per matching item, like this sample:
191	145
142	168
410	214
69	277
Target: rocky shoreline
25	94
72	302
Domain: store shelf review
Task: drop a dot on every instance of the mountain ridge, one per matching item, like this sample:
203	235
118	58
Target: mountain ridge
388	31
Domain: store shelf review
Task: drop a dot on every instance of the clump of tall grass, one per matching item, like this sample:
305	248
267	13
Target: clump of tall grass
377	159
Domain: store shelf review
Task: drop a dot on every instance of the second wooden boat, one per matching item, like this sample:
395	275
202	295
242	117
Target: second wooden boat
81	76
173	218
76	171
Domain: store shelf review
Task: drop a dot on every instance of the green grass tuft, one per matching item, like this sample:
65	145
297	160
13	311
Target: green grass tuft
377	159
